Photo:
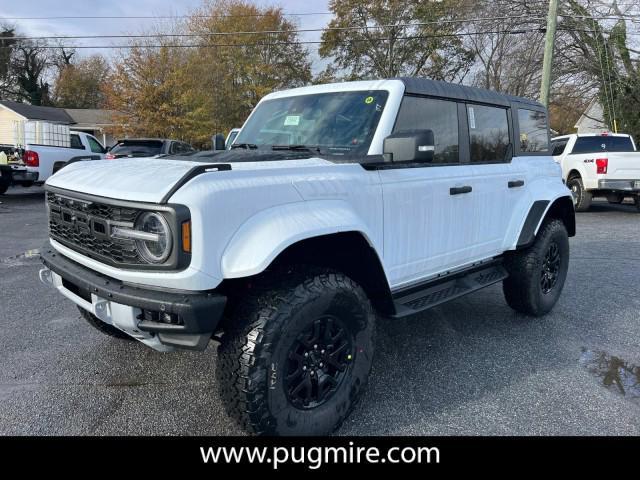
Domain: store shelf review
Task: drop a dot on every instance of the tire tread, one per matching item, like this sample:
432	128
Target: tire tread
244	352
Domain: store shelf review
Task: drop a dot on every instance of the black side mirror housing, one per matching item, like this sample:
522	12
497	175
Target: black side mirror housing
218	142
409	146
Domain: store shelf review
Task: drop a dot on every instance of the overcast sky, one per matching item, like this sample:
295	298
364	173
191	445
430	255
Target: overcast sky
51	8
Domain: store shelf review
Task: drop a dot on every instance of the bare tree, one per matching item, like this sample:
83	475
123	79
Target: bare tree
508	47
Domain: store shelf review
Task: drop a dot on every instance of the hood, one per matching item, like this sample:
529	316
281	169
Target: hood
147	179
140	179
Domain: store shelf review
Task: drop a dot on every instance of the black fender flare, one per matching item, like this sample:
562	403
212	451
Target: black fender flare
561	208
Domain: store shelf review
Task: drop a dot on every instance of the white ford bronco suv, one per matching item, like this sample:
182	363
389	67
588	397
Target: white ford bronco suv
338	204
598	164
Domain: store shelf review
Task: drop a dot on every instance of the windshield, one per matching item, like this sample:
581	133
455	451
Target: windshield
602	144
143	148
336	123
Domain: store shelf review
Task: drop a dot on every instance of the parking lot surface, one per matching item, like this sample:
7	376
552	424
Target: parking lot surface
469	367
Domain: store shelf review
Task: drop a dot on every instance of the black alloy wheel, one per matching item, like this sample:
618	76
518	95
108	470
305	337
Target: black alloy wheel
550	268
317	362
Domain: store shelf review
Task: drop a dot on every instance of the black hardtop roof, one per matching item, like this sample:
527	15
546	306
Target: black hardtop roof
436	88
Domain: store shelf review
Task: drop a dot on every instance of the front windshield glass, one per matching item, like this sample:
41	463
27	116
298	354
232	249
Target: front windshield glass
335	123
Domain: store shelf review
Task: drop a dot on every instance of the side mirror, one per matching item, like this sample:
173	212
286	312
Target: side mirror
218	142
409	146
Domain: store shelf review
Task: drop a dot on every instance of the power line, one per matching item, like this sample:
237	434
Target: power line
272	32
162	17
531	18
314	42
300	42
540	29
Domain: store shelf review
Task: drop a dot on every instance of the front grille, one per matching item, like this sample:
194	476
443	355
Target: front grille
85	226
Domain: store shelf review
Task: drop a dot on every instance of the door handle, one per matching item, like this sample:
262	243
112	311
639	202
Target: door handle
515	183
459	190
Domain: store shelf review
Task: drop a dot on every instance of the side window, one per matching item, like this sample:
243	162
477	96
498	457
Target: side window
75	142
533	131
557	148
440	116
488	133
94	145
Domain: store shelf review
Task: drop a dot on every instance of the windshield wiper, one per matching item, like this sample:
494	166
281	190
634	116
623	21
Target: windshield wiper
251	146
297	148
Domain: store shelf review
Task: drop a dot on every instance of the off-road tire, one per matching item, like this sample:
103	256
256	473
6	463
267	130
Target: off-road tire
255	352
522	289
615	198
103	327
581	197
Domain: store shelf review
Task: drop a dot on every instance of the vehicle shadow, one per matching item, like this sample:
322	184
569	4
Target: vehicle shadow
601	206
433	369
21	194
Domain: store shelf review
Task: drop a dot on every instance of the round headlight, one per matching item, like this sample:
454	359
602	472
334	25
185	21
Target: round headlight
157	248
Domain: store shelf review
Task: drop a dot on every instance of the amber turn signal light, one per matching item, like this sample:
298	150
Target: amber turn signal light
186	236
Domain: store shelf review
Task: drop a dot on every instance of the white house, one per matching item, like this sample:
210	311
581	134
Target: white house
93	121
21	123
592	120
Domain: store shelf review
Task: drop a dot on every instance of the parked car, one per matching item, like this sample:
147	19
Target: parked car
148	147
606	164
36	162
12	171
338	205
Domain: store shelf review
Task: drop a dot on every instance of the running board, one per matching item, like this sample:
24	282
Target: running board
448	288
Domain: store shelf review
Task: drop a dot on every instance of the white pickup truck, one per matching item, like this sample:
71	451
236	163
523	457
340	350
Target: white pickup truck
40	160
593	165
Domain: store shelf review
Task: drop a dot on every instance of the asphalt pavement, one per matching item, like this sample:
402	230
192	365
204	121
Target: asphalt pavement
470	367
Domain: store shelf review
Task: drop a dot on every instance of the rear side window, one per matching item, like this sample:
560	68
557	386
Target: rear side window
440	116
76	143
596	144
137	149
488	132
533	131
557	148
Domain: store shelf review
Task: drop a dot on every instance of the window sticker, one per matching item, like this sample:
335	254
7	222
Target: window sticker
292	120
368	100
472	118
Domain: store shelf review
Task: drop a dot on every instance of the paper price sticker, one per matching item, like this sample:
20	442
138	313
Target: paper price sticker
292	120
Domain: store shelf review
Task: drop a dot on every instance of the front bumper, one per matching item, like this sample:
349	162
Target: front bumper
631	186
130	308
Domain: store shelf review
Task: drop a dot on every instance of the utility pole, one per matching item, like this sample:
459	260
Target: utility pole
549	40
